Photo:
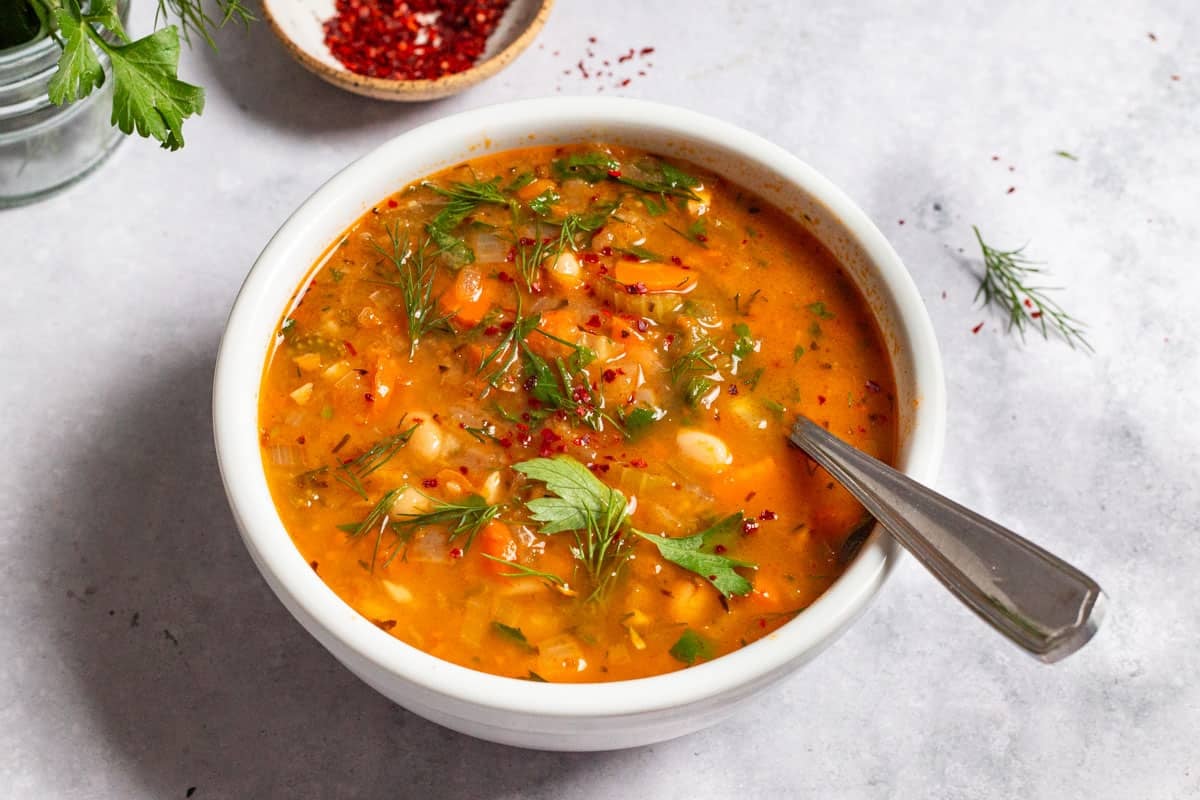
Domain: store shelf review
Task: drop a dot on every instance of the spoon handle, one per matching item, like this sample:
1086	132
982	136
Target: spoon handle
1036	599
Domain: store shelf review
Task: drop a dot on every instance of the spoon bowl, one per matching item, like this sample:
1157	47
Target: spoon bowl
300	25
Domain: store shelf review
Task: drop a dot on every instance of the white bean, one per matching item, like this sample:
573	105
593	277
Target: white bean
427	440
704	449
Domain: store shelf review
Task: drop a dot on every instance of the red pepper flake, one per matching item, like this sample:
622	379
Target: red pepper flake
589	258
873	387
592	39
645	51
349	348
821	399
399	40
1035	315
733	390
370	398
606	251
430	483
977	328
750	496
505	442
300	439
762	622
609	375
1011	189
719	549
490	330
638	463
623	84
636	288
901	222
626	57
1153	38
767	515
749	526
677	261
593	321
1174	77
463	469
504	277
456	552
582	70
392	202
642	323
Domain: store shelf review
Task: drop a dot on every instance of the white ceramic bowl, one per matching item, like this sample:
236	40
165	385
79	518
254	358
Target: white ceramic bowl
597	716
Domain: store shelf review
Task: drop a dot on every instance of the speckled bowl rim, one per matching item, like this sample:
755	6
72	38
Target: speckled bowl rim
243	352
414	90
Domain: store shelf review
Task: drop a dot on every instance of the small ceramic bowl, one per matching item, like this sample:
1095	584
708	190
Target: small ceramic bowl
300	25
597	716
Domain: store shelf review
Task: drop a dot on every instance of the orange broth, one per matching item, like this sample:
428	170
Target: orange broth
598	306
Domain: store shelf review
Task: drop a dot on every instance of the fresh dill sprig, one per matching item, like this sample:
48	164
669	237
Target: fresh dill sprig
414	279
508	349
377	519
353	472
1005	284
463	198
193	18
464	518
522	571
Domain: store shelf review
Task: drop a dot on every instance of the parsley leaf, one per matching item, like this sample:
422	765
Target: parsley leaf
514	635
79	69
820	310
745	343
691	553
590	167
690	648
147	94
542	204
582	499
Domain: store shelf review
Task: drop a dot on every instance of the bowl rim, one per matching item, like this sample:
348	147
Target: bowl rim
414	89
325	615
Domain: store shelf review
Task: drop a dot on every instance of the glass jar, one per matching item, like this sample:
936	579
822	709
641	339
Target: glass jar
44	147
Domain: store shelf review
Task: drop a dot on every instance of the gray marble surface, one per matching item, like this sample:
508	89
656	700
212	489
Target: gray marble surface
142	655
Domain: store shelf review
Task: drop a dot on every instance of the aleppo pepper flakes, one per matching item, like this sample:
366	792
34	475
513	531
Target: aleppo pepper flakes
414	40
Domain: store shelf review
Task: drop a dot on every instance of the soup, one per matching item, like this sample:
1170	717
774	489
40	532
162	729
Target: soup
529	415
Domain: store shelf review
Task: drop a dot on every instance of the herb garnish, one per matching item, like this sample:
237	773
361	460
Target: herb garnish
690	648
1004	286
514	635
522	571
465	517
463	199
693	553
597	515
353	472
147	94
414	279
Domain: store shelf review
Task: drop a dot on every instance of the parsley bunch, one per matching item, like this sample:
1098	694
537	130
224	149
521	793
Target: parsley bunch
148	96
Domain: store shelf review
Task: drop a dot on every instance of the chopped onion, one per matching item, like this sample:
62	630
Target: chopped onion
489	248
285	455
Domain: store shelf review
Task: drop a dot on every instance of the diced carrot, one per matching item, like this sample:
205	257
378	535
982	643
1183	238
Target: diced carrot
384	383
624	332
534	189
732	487
468	298
562	323
496	540
655	277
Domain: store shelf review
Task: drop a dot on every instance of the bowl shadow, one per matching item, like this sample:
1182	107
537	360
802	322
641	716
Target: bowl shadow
194	672
252	67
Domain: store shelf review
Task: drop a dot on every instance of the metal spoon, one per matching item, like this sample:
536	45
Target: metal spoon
1036	599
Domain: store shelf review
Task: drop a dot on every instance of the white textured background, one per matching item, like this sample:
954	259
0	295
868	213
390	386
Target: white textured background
141	654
